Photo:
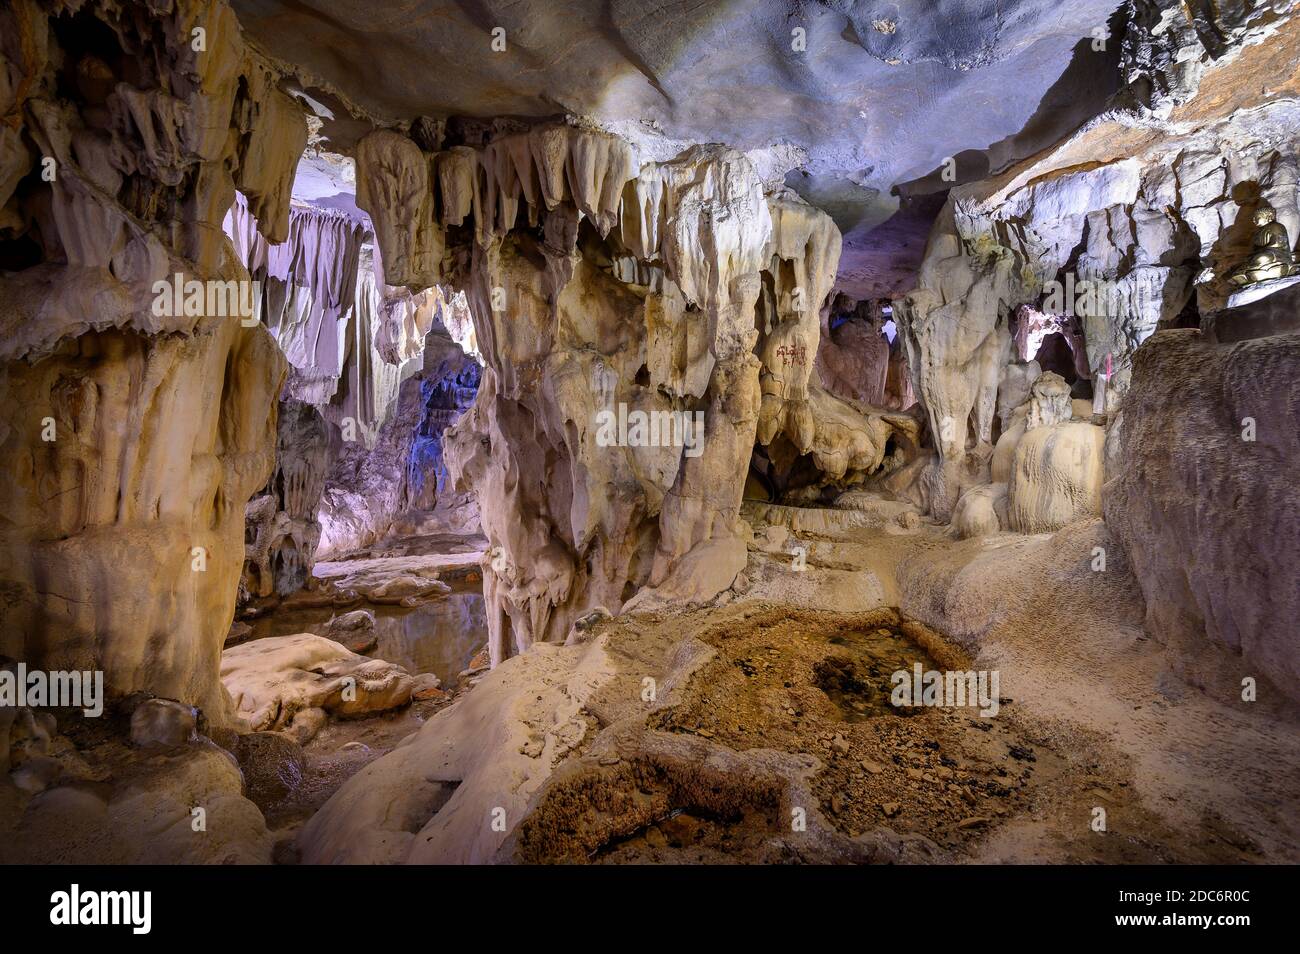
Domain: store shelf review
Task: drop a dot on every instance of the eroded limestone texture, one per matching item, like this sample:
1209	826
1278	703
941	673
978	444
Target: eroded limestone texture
374	483
1124	226
956	330
281	530
272	680
681	288
135	431
464	341
1205	501
125	537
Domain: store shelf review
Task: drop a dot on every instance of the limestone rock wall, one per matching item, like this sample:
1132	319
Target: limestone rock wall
371	483
124	539
135	431
956	330
853	356
1056	477
1166	53
135	164
1137	215
1208	517
1151	202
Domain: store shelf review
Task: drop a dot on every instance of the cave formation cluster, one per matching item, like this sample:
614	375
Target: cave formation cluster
440	353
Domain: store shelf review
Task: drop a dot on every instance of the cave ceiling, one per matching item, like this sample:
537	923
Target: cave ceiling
860	122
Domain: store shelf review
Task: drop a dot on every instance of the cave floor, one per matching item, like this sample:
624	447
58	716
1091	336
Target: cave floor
941	785
771	738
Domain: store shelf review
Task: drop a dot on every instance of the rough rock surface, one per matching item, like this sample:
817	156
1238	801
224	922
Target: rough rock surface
1153	198
1056	477
281	527
829	87
633	288
373	485
1210	518
118	553
956	330
1137	215
110	802
135	431
981	511
271	680
163	724
592	767
432	799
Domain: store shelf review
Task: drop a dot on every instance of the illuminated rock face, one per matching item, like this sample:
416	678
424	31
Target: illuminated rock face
600	274
124	541
1056	477
135	430
955	327
1124	226
575	520
272	680
371	485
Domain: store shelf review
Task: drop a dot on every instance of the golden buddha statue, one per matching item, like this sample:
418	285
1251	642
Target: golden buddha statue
1271	257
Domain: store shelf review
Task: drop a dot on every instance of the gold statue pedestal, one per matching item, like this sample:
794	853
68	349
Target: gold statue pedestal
1250	293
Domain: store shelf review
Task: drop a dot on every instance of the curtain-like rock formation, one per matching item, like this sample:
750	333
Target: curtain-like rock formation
308	286
135	429
351	339
600	286
281	529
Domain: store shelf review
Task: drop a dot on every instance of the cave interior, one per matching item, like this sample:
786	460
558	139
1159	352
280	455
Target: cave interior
611	432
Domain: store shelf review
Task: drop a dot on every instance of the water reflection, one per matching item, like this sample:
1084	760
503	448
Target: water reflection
439	637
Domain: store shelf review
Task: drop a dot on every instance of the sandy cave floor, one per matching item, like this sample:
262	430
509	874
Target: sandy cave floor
1090	717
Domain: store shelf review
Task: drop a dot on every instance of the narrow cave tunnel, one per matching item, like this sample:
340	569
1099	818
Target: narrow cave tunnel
840	433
